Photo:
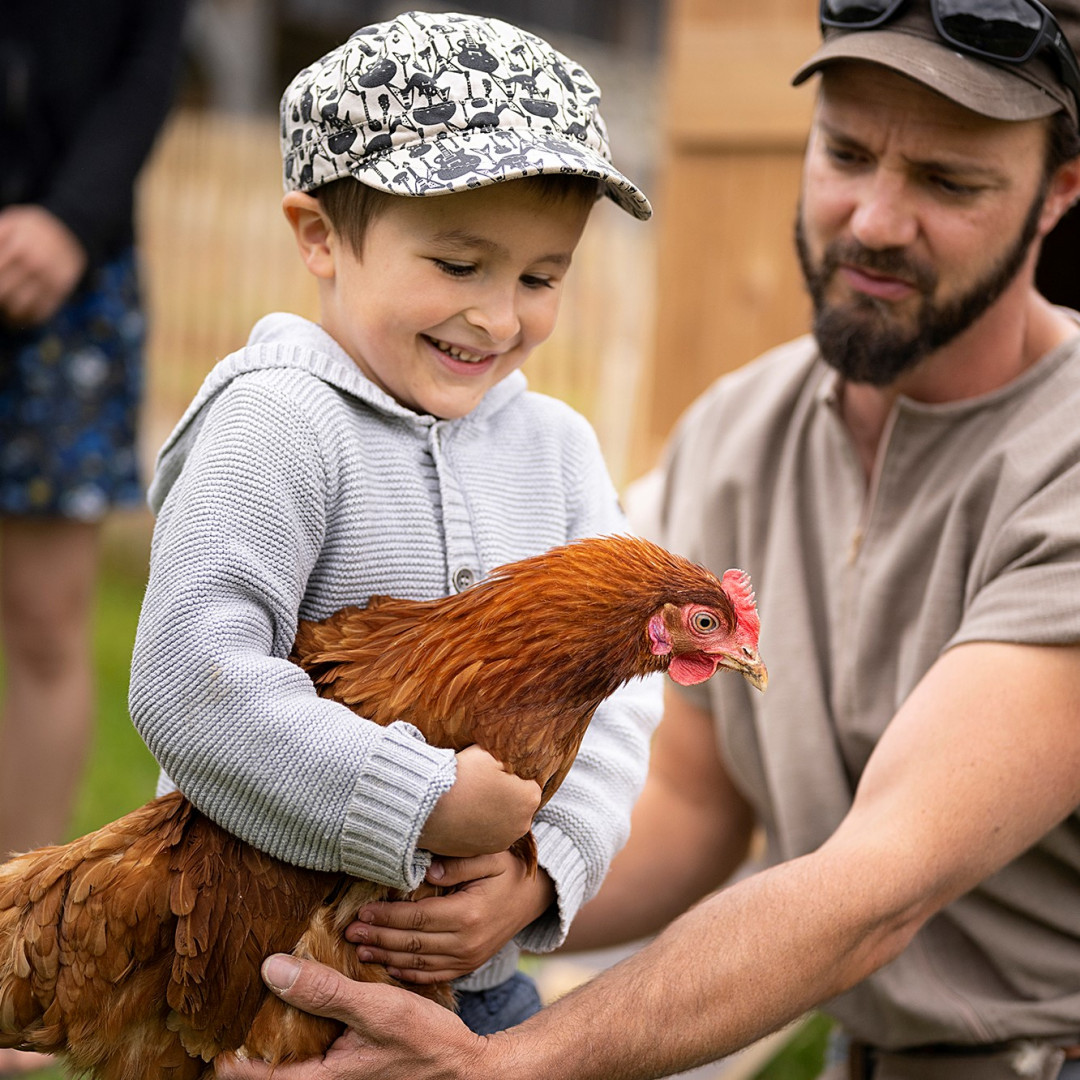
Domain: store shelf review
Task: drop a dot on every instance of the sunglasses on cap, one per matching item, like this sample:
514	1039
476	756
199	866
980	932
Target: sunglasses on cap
1006	31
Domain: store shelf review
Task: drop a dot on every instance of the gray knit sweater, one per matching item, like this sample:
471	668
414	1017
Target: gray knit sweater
294	486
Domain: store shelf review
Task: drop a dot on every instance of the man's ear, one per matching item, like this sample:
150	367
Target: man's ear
1062	192
314	235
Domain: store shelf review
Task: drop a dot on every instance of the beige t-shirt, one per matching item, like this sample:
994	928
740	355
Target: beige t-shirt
969	530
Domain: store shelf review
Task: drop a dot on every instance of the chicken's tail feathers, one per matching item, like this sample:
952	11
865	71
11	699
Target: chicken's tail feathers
18	1007
55	895
143	833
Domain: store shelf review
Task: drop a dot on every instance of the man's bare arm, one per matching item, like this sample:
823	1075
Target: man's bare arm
981	761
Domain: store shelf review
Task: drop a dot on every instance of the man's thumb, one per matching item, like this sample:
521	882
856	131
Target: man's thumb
279	972
325	991
310	986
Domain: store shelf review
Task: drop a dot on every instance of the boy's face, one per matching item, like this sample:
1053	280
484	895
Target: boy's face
451	293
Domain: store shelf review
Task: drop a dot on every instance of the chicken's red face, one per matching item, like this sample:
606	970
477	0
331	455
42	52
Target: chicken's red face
701	638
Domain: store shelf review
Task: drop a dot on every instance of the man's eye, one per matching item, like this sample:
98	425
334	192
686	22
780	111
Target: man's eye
841	156
530	281
953	187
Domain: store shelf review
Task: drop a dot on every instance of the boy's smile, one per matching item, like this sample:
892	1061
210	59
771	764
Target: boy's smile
450	293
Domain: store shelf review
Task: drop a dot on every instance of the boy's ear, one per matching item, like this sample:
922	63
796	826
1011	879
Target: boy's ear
313	232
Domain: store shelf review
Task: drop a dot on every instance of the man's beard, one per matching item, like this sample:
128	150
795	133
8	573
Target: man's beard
860	339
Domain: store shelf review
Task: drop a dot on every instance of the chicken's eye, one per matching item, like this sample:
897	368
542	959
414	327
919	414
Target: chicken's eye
705	622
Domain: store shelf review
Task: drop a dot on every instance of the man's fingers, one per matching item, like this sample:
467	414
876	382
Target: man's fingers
367	1008
392	1033
311	986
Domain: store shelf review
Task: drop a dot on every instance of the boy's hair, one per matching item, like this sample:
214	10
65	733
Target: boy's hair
351	206
432	104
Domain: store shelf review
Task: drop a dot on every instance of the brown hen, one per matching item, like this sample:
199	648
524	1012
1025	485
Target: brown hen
135	950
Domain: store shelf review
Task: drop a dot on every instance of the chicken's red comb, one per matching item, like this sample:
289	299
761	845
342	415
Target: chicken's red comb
740	592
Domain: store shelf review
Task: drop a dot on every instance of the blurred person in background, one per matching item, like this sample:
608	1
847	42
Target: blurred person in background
84	88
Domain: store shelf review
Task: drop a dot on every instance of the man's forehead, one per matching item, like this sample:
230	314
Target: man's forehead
860	92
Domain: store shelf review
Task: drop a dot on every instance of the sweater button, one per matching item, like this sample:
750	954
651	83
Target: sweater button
463	578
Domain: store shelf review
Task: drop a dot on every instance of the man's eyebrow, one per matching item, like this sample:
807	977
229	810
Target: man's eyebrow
987	174
959	166
459	238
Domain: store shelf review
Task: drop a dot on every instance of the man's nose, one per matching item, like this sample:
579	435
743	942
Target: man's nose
884	216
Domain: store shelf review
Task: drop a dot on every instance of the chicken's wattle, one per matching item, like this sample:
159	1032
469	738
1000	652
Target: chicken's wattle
691	668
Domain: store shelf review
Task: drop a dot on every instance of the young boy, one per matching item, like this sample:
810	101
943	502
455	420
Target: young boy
439	170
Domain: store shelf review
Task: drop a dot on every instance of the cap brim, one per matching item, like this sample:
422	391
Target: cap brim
463	160
981	87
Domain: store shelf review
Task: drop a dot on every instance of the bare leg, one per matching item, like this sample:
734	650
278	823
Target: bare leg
47	575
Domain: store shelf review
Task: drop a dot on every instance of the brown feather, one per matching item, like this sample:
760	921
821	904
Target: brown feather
136	950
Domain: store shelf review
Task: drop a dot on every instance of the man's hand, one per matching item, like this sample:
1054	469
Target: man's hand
41	262
443	937
392	1034
485	811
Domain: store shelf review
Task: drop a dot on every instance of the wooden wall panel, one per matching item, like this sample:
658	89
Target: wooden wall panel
728	281
735	130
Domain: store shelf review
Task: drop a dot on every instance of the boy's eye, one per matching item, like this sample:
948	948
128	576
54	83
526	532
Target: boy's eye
531	281
454	269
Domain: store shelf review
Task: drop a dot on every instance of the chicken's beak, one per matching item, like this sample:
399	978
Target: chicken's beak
749	665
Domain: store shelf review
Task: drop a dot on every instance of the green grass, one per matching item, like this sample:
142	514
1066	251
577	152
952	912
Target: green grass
120	773
803	1055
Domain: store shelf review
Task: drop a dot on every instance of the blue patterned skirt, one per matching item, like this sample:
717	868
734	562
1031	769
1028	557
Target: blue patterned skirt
69	400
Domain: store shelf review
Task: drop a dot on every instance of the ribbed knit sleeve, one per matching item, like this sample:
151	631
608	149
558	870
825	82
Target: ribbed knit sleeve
236	725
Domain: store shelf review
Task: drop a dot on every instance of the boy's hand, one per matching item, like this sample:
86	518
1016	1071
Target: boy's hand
485	811
443	937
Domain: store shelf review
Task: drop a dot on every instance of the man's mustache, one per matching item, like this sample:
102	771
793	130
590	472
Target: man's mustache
892	262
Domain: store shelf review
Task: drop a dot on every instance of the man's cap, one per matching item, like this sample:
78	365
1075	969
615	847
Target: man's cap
431	104
909	44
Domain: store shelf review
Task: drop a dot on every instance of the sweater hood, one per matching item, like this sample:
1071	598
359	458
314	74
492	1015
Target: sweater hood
283	340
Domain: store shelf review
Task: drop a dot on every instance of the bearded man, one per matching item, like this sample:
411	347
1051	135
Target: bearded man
904	488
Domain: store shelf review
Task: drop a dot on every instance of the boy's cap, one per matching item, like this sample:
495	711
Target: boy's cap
431	104
909	44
